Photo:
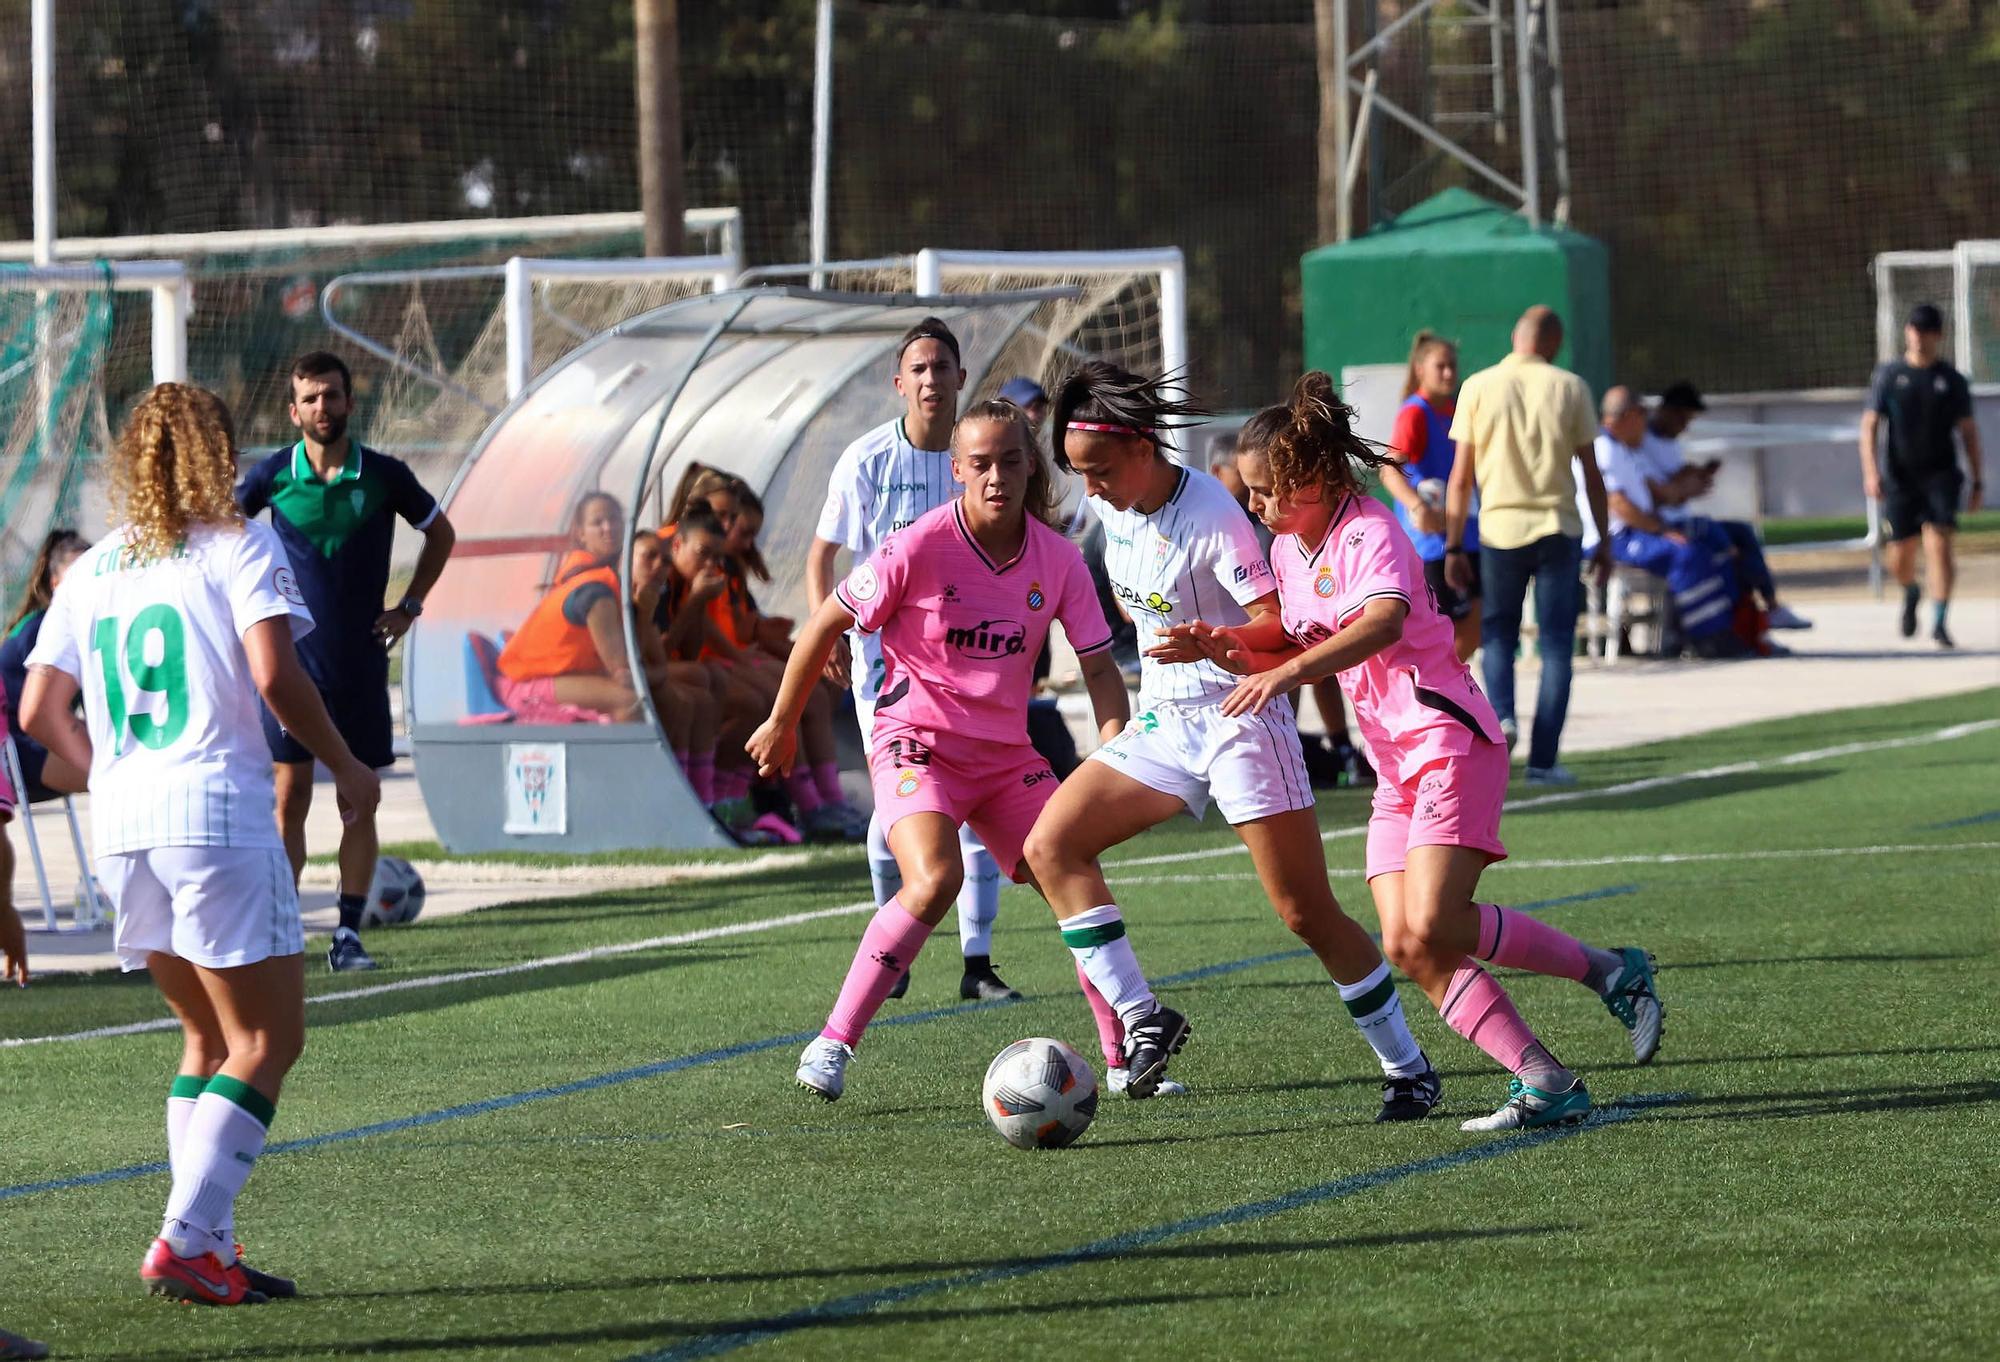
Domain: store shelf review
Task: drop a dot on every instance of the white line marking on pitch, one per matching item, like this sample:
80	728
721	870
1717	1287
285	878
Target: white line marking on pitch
1629	787
850	909
1663	858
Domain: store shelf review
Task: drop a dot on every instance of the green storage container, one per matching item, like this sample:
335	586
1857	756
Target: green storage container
1464	267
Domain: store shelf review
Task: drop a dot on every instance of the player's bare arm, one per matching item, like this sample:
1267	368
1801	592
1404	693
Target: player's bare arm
1458	509
775	742
1273	674
1110	705
48	713
295	700
819	585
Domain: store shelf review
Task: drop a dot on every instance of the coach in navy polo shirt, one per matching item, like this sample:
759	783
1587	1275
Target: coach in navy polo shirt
332	501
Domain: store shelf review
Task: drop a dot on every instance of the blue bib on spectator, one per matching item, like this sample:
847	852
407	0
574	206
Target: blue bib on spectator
1439	454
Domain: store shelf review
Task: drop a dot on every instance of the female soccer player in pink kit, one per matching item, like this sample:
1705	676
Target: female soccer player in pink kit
963	599
1353	601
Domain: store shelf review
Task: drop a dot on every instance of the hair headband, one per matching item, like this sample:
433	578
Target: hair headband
1106	428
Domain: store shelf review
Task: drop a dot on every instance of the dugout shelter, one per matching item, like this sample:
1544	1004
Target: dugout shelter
767	383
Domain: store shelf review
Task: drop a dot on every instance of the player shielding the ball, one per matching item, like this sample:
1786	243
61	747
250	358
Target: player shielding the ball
1354	603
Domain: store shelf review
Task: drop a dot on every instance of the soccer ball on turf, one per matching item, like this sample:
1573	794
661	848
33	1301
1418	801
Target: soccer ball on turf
396	896
1039	1094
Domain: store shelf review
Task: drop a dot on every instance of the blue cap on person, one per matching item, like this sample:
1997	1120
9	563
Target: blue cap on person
1023	392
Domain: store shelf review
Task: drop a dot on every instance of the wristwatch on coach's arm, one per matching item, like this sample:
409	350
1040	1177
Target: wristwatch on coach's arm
411	606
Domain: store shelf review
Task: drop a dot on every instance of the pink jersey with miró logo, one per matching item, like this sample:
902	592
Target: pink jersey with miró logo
1414	701
960	632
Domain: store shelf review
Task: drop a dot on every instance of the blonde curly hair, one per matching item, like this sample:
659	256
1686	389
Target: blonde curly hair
174	469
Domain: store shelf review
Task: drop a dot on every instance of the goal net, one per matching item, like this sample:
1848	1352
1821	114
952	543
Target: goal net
1976	309
1902	280
62	349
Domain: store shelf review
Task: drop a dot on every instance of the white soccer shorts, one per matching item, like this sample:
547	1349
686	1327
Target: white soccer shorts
1250	765
217	907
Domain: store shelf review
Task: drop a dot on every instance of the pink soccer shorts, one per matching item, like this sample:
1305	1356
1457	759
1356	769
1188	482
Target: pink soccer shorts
1454	802
998	789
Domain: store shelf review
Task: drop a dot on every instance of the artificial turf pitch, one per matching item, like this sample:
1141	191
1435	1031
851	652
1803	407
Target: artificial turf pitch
607	1158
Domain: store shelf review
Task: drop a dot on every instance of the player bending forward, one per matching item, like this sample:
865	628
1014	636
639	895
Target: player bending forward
962	600
1178	547
1354	602
173	626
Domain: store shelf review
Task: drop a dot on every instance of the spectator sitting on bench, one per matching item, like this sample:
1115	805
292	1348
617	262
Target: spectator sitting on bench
47	775
567	663
596	528
1694	559
1677	482
696	577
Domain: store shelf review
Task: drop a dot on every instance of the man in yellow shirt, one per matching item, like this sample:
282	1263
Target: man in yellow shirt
1519	427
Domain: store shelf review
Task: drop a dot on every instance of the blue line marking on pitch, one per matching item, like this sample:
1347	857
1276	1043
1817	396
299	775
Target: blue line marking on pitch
1990	816
867	1302
1608	893
657	1069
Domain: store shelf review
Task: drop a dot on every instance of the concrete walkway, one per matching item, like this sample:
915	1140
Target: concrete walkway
1853	657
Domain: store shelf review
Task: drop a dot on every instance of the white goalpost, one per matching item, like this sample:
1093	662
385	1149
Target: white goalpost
1103	275
165	280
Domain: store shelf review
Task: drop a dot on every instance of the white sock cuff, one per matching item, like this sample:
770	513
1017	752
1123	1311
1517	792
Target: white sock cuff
1349	992
1101	916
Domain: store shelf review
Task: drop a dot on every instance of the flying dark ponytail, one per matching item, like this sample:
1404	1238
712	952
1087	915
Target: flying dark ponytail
1101	396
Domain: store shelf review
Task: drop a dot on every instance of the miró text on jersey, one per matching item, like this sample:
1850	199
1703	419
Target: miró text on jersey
988	638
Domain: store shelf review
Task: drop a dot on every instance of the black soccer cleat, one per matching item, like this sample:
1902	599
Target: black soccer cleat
902	986
346	954
1412	1098
1908	624
981	984
1941	638
1149	1044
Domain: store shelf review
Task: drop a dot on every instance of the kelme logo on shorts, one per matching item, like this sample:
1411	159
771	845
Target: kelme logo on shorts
907	782
1323	585
1036	600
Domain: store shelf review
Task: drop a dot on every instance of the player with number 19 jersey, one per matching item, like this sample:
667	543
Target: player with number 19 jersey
178	756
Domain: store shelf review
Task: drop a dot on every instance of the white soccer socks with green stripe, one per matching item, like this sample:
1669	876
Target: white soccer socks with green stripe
1377	1010
212	1158
1096	937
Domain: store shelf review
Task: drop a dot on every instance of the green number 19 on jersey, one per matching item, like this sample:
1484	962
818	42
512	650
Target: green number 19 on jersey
167	676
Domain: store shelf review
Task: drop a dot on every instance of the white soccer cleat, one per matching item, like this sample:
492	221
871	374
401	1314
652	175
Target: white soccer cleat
1116	1079
823	1067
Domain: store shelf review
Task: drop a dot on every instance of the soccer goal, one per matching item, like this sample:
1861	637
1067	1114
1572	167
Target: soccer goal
1128	306
1975	306
69	335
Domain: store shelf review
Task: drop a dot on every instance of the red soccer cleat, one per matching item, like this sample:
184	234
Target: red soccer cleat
201	1280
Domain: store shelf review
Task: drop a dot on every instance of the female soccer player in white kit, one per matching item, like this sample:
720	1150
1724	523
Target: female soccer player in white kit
1178	550
880	484
172	626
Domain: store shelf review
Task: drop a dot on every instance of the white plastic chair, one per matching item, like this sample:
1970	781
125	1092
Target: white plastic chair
89	909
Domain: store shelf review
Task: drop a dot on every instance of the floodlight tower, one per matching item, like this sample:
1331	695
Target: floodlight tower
1482	82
